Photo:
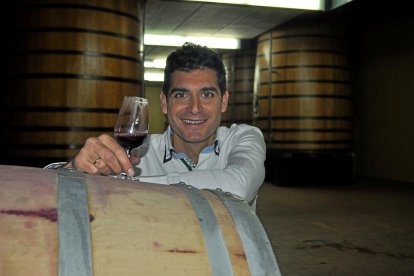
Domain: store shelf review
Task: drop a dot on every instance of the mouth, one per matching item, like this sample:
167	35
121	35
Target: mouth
193	122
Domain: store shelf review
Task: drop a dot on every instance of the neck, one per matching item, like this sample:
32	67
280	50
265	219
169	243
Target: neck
192	150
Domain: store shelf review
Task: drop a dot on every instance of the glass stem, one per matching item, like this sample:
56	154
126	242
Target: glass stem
128	151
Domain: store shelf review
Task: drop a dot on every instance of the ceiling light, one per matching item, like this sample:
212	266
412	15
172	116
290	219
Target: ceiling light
154	76
291	4
173	40
156	63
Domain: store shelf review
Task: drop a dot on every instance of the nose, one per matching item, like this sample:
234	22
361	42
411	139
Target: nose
195	105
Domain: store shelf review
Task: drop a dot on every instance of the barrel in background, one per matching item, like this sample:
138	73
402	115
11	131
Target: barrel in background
71	64
303	98
240	65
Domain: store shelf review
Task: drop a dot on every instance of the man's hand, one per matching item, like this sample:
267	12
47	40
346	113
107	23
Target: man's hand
103	155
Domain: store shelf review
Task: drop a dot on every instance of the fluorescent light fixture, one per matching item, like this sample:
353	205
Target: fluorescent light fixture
154	76
336	3
156	63
290	4
174	40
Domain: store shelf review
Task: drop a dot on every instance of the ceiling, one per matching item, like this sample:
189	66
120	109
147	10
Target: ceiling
172	17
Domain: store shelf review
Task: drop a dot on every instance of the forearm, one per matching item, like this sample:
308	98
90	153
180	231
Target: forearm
240	181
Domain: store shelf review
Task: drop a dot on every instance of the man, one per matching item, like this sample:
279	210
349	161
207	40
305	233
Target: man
194	149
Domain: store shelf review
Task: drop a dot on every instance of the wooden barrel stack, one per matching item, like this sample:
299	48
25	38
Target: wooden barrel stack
71	64
303	100
240	65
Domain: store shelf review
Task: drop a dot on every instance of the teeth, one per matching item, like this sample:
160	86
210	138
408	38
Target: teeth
193	122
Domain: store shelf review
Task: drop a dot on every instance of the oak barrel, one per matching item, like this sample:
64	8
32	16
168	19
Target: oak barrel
71	64
303	87
240	65
303	101
135	228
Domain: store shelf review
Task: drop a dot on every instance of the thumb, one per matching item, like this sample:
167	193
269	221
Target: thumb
135	160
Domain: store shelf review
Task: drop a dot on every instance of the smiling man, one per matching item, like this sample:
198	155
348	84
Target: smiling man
194	149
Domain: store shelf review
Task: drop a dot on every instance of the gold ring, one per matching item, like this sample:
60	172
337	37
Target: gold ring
97	161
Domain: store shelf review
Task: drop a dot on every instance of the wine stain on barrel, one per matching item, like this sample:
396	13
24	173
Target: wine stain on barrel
177	250
157	244
241	255
49	214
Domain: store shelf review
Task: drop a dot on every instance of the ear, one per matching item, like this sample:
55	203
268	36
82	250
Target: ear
224	101
164	105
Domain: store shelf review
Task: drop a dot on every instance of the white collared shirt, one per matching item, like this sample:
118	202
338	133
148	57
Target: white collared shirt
235	163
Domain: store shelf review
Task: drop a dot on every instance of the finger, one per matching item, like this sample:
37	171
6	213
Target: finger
90	153
120	155
102	167
85	161
104	147
135	160
97	161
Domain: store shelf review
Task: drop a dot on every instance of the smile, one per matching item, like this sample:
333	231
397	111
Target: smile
193	122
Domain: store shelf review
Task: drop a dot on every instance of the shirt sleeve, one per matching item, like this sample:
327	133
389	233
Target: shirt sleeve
56	165
243	175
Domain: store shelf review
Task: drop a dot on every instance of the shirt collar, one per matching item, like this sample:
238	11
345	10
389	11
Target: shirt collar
170	153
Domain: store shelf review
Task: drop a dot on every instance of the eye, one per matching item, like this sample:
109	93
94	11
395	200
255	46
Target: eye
208	94
179	95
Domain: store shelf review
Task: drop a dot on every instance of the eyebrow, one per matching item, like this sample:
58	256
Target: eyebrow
211	88
178	89
182	89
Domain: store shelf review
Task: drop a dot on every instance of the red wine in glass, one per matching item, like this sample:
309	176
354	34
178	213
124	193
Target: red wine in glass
131	127
131	140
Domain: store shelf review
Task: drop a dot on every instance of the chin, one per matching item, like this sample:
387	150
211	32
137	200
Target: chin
194	139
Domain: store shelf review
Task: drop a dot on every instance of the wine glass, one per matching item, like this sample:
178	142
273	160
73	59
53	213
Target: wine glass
131	128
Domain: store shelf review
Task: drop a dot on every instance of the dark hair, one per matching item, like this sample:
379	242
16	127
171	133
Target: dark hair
192	57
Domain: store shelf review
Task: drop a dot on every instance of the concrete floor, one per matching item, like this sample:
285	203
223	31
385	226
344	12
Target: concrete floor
362	229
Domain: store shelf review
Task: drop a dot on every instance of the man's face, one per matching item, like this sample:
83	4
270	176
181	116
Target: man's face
194	106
